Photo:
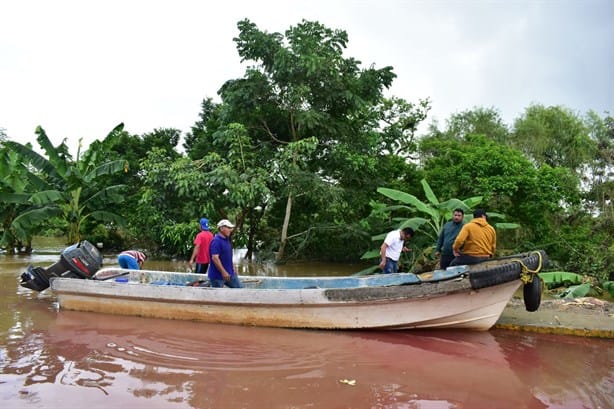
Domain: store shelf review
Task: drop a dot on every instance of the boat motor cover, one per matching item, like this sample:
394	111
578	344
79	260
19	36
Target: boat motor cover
81	260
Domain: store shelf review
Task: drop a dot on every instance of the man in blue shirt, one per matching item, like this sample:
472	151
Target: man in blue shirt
446	238
221	270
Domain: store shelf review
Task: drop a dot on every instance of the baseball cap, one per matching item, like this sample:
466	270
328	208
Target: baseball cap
204	223
226	223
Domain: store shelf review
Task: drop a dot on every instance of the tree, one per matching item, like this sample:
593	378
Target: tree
70	189
301	86
599	175
14	183
508	181
554	136
478	121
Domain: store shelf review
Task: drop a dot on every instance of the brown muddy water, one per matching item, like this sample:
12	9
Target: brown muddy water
64	359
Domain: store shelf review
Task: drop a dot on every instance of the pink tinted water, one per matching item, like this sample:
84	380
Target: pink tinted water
64	359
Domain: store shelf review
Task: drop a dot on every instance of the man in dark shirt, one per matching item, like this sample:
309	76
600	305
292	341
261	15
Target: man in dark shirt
446	238
221	270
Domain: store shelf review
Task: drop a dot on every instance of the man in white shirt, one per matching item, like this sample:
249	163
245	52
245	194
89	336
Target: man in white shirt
391	249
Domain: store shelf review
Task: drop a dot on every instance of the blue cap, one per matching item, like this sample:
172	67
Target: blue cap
204	224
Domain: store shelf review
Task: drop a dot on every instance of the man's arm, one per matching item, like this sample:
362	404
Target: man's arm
218	263
458	242
439	246
382	252
194	253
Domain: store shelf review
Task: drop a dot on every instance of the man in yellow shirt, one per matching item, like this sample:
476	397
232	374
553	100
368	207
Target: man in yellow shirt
476	242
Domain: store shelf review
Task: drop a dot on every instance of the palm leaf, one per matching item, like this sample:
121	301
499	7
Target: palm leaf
45	197
32	218
553	279
58	156
105	169
454	203
15	198
407	198
576	291
473	201
428	192
107	217
111	194
36	160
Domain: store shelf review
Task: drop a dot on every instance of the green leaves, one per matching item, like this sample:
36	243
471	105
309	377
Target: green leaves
58	185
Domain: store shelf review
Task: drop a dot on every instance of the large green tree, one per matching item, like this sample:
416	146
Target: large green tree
299	86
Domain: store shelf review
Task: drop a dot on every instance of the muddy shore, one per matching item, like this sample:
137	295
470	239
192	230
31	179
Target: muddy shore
588	317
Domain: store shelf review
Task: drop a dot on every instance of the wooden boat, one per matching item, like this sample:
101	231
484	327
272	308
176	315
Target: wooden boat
470	297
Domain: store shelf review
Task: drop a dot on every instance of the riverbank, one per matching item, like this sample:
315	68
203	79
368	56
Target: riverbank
587	316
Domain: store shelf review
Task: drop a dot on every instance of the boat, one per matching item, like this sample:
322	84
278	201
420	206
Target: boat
469	297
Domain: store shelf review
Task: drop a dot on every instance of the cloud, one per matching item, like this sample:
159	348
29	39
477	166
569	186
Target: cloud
79	68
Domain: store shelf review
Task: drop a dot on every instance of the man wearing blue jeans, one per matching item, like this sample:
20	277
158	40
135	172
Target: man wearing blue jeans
131	259
221	270
391	249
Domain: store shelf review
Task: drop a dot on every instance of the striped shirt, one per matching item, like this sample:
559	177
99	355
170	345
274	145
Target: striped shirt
137	255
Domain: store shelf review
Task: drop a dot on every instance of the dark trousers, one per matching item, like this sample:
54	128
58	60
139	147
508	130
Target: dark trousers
445	261
465	259
201	268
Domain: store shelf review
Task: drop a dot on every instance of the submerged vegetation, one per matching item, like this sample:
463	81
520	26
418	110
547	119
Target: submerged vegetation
311	161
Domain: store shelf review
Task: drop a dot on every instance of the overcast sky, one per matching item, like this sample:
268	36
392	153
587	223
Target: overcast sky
78	68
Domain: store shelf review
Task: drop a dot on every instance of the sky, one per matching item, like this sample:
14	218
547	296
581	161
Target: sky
79	68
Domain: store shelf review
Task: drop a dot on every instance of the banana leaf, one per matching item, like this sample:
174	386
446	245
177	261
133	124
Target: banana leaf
554	279
576	291
609	287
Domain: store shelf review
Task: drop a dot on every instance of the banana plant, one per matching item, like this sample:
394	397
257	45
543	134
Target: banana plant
72	189
435	213
14	182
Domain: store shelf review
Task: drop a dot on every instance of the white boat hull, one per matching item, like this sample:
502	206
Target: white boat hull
395	308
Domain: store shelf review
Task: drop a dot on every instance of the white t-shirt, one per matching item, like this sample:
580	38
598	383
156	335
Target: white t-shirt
395	245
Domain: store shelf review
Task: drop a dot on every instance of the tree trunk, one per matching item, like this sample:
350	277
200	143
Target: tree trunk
284	229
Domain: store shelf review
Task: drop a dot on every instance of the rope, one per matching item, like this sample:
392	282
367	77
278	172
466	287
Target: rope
526	274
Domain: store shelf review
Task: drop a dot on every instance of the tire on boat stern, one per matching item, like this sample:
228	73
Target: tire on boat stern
495	275
532	294
503	273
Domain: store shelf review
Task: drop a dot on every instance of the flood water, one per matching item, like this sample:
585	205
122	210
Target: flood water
64	359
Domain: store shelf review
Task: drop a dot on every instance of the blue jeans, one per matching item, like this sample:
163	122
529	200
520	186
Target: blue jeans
126	261
391	266
234	282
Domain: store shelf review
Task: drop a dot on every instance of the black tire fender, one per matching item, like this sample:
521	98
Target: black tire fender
494	276
532	294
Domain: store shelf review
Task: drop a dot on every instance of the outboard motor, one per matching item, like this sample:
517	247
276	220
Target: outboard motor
80	260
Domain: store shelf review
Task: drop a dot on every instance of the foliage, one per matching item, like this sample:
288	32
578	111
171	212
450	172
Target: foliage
599	173
71	189
478	121
176	239
436	215
554	136
313	116
172	192
553	279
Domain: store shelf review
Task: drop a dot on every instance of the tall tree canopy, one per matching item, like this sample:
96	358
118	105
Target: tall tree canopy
299	87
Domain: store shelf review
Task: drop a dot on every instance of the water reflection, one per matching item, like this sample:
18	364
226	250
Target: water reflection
130	359
52	358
